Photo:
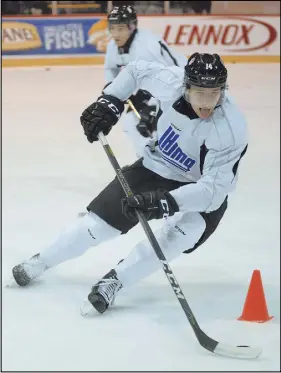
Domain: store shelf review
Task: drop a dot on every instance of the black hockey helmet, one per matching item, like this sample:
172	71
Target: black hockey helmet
124	14
206	71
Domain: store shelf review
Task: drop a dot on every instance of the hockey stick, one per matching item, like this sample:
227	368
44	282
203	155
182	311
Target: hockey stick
242	352
132	106
137	114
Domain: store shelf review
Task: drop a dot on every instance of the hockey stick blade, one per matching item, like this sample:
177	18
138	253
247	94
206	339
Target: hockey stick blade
237	352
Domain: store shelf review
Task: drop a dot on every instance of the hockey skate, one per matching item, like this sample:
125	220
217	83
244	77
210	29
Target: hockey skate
28	270
102	294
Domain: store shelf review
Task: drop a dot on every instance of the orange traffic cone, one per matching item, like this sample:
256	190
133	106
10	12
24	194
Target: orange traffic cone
255	308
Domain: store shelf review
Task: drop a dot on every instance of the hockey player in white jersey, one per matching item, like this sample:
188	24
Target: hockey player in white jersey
184	178
130	43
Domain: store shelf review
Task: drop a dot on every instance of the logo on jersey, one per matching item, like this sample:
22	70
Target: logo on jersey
172	153
172	124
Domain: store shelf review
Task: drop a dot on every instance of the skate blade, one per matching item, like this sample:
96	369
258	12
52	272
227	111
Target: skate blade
87	308
10	282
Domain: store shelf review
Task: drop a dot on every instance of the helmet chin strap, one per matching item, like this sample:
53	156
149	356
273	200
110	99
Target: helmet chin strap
222	98
186	95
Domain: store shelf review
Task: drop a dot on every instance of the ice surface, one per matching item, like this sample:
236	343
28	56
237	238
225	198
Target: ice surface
50	173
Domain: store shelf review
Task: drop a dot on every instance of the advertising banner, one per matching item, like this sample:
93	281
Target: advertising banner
28	41
53	36
225	35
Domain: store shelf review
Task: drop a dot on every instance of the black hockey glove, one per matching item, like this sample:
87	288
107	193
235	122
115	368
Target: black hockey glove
155	205
140	99
101	116
148	122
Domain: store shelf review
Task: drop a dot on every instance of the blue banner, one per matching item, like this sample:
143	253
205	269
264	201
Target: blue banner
54	36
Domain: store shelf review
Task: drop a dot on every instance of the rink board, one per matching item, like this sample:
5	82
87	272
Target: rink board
51	41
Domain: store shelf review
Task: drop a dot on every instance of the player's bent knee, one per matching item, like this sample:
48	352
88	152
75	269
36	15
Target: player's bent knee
98	229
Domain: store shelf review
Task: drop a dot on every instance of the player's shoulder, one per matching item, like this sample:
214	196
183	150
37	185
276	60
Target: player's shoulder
161	72
235	117
152	65
148	34
149	39
230	125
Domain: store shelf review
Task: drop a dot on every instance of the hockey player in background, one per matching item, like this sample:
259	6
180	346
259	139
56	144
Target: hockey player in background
184	177
128	44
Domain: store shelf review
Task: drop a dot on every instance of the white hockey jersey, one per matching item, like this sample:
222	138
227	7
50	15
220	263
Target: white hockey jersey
144	46
188	149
